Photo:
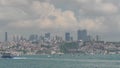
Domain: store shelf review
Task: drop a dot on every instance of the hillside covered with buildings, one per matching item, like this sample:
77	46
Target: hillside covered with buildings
57	45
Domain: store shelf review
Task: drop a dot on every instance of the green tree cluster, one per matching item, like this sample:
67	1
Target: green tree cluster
68	45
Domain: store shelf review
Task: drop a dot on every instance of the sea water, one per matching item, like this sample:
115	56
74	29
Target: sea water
62	61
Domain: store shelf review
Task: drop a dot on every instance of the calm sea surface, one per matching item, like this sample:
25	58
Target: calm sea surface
62	61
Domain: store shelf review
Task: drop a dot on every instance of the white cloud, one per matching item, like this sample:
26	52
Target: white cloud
10	13
21	24
94	25
47	15
98	6
64	20
107	8
13	2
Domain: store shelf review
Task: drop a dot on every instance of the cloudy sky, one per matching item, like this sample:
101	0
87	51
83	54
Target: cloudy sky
27	17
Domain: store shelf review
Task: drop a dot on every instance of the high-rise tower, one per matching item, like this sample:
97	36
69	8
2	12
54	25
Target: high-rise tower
67	36
82	35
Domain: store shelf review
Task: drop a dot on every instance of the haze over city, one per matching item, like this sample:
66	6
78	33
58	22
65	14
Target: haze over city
59	33
25	17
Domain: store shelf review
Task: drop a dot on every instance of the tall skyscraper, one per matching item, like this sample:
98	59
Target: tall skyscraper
82	35
67	36
97	38
47	36
6	37
33	37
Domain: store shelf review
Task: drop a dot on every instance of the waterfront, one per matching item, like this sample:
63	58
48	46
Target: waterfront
62	61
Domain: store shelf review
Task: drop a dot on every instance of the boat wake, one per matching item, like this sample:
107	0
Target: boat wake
69	60
19	58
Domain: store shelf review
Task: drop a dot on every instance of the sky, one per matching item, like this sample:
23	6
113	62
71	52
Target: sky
25	17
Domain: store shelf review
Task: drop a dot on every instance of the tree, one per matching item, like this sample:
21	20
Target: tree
65	47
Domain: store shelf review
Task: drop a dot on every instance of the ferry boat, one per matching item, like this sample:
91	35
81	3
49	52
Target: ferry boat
7	55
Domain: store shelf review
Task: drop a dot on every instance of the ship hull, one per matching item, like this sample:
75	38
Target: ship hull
6	55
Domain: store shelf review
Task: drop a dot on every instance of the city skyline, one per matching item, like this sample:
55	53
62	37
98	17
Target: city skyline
24	17
47	35
68	36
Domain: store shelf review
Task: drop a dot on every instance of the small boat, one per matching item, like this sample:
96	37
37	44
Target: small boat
7	55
